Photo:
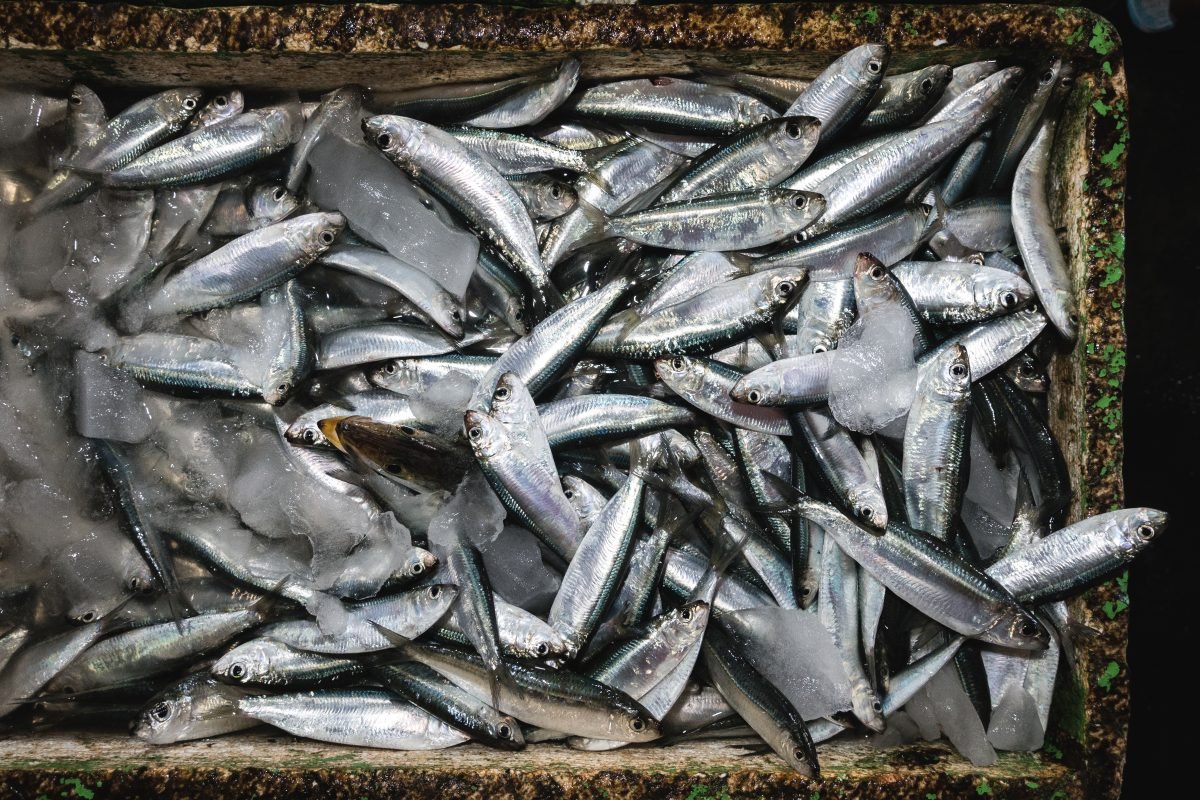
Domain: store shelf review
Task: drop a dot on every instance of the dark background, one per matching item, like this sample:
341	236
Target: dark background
1162	382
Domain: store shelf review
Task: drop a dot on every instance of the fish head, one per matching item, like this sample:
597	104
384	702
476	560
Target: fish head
566	74
791	746
486	434
928	83
419	562
136	576
797	209
686	625
781	287
873	282
398	375
509	396
283	124
541	642
869	507
1018	629
949	375
794	137
448	314
221	107
1001	296
84	105
756	389
864	65
587	499
681	372
316	232
306	432
752	111
248	663
515	316
1025	372
398	137
1135	528
178	105
271	202
166	716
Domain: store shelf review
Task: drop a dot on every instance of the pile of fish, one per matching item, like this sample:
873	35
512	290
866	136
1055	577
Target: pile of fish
537	410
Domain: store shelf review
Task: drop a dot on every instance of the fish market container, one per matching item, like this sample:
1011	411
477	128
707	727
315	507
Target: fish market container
315	48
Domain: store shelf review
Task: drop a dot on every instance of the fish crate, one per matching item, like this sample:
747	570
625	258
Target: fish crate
316	48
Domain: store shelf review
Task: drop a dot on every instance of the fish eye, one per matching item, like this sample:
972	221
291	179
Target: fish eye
686	615
555	191
16	340
504	731
189	104
1047	76
1008	300
877	706
327	237
804	590
435	592
279	193
820	348
219	101
1146	531
926	86
1028	629
390	369
785	288
958	370
75	100
383	139
237	672
309	436
793	130
866	512
283	388
475	434
418	568
68	690
1068	82
518	314
502	393
88	616
753	397
800	202
455	314
764	118
678	364
878	273
1073	317
135	584
408	430
874	67
637	725
568	493
799	754
542	649
161	712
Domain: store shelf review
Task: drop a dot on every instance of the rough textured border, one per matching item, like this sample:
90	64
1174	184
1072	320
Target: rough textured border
44	42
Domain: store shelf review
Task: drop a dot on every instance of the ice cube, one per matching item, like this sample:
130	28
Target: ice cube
920	711
792	649
518	574
991	488
473	511
958	718
384	207
1015	724
873	376
440	408
108	402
